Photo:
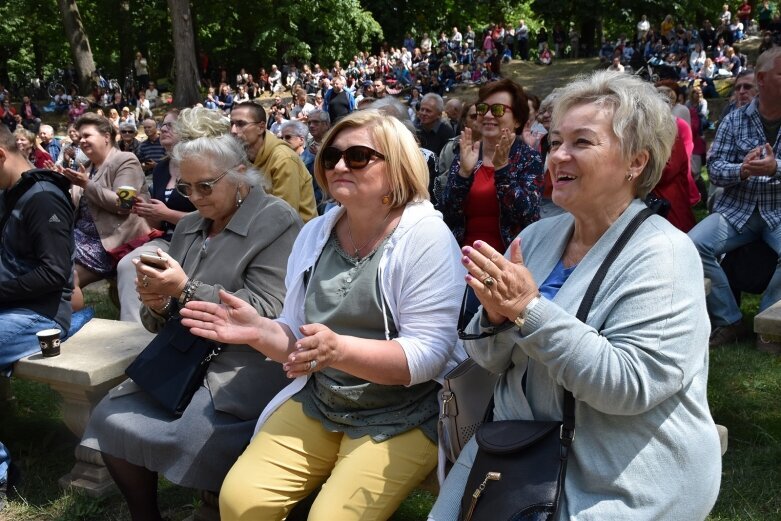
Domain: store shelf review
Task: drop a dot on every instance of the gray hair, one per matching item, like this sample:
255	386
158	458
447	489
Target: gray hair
322	115
200	122
440	103
294	127
641	117
128	126
46	128
767	59
549	100
225	153
395	108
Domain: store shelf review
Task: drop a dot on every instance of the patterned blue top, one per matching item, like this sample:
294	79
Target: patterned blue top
739	133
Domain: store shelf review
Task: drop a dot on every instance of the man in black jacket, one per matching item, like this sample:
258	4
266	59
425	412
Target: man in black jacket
36	253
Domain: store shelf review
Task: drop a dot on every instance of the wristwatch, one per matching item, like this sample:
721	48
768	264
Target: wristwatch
521	318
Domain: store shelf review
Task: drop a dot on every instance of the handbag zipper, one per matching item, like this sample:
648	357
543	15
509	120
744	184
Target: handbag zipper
492	476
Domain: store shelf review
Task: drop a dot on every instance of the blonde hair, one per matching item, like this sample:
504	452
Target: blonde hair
200	122
641	118
404	164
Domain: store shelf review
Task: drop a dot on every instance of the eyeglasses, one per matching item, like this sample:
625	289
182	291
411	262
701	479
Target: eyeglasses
464	319
241	124
167	126
127	131
203	187
744	86
288	137
497	109
355	157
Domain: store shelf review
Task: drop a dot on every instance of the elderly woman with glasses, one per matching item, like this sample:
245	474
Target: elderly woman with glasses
494	184
645	446
367	327
237	244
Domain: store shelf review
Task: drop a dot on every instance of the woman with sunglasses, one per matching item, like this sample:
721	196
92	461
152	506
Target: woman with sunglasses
162	212
237	244
494	184
368	325
448	154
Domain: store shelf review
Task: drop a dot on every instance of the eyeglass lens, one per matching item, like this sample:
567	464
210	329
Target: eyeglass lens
355	157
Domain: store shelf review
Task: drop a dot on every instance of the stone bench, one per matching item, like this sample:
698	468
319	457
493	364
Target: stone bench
91	362
768	323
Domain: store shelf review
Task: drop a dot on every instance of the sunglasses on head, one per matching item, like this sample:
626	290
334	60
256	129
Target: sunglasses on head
355	157
203	187
497	109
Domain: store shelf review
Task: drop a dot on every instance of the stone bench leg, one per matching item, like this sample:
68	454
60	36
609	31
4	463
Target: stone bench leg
89	475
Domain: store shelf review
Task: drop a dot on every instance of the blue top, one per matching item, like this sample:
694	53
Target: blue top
556	280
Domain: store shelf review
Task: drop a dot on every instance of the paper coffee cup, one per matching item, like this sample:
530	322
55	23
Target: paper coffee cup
127	196
49	340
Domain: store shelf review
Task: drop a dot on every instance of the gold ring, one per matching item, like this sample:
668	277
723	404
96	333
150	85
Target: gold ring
488	281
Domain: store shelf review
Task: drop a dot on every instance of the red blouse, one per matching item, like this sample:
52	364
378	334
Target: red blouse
481	211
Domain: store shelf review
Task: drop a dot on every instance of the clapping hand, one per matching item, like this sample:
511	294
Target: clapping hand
504	286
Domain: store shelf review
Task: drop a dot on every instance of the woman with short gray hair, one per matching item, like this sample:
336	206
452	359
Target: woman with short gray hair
238	241
646	447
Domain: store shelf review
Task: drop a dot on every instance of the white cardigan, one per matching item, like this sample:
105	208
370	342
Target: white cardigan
420	277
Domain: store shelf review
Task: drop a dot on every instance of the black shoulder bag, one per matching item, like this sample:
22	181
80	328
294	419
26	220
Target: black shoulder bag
518	473
171	368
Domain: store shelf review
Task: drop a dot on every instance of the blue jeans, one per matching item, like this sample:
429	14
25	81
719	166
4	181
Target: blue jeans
17	334
5	460
714	236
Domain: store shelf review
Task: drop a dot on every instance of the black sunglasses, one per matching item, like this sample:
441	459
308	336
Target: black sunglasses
497	109
464	319
204	188
355	157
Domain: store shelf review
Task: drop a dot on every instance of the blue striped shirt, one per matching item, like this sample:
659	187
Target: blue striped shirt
739	133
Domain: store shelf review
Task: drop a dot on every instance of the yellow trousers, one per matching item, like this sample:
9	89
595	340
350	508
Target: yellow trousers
293	454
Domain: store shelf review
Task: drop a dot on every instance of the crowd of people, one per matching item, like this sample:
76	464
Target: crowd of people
328	243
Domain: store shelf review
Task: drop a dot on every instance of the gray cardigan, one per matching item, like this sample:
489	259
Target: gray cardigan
645	447
248	258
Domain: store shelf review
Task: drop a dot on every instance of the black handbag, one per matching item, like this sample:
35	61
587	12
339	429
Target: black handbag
519	470
171	368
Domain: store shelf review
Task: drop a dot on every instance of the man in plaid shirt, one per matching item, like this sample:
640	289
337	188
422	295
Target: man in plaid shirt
745	159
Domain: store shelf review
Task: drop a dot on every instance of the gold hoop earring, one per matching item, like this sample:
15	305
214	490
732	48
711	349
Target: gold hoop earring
386	199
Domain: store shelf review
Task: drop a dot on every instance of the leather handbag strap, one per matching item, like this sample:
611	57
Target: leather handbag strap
568	427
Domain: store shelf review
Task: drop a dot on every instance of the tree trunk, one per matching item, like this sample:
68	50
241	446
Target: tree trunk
186	92
79	43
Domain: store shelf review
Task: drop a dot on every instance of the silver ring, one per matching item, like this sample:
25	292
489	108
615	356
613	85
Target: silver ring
145	281
312	365
488	281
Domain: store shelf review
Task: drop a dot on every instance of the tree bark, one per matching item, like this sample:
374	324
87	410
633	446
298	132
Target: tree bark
186	92
79	43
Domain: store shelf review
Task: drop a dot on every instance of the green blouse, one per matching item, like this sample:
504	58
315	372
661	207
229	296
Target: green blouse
343	293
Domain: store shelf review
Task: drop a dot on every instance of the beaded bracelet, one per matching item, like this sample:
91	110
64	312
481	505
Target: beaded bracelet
189	291
165	311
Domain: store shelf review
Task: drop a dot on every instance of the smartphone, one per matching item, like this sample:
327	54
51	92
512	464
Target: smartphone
154	261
